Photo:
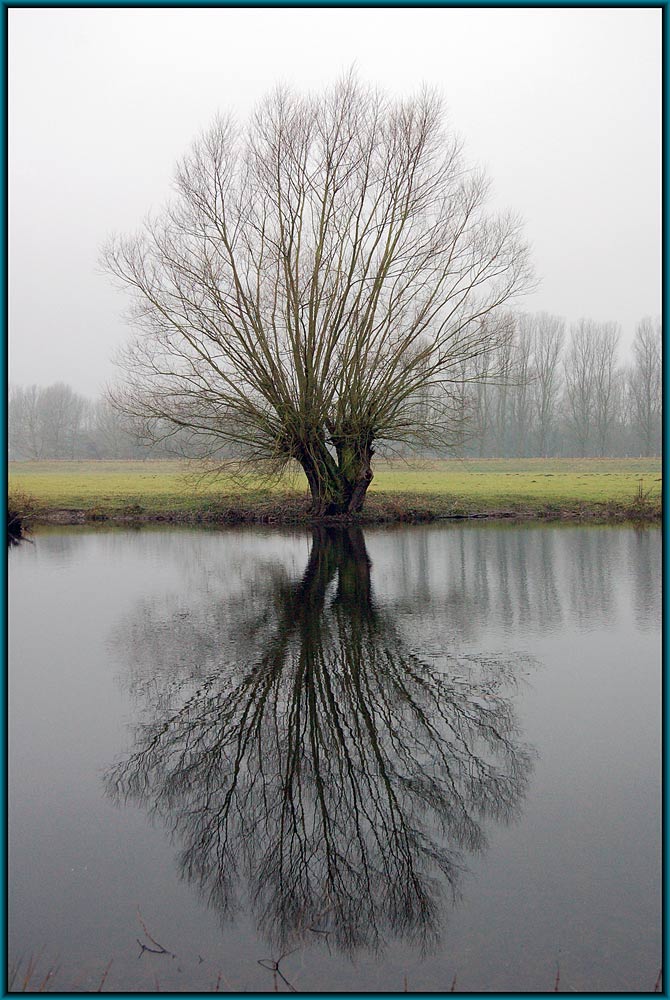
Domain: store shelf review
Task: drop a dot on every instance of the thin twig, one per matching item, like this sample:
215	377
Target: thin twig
152	951
324	934
159	949
13	972
221	978
144	928
657	986
32	965
273	967
104	976
50	974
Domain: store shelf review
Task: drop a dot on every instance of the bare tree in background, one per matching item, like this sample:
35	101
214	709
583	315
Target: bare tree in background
62	416
23	422
521	398
592	385
503	361
316	284
482	404
477	417
45	422
548	335
578	370
644	386
607	384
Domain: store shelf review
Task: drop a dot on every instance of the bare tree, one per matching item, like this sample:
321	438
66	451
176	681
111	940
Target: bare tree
607	387
62	412
320	273
592	385
548	334
644	386
521	398
503	361
45	422
578	369
482	402
24	423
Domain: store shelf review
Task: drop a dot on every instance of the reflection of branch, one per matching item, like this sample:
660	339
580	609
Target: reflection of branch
158	950
333	765
269	963
104	975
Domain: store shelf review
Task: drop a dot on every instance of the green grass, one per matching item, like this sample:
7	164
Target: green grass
496	483
420	488
157	486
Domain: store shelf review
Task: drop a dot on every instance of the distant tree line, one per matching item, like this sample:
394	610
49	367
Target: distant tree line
565	393
55	422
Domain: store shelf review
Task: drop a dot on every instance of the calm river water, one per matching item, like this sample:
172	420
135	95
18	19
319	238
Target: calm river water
414	758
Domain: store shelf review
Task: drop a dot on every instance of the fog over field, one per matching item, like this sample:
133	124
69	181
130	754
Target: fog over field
561	107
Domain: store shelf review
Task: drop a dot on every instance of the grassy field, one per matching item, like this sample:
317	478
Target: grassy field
540	487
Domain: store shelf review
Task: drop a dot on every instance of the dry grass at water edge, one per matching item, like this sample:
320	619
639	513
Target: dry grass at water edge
27	979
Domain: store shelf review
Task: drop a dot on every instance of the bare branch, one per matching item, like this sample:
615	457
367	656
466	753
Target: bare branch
319	276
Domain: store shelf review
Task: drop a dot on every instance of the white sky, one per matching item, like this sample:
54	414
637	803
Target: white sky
562	107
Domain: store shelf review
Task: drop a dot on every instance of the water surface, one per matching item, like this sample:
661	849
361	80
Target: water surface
410	756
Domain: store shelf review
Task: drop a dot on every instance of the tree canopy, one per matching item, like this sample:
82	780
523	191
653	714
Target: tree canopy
316	286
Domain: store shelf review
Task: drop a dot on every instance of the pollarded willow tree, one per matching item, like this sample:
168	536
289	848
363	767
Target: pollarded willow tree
316	285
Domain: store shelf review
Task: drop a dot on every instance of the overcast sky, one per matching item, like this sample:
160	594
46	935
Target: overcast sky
562	107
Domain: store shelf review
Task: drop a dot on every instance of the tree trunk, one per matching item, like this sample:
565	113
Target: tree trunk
337	487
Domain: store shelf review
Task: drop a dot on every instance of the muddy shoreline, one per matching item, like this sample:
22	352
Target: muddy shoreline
300	515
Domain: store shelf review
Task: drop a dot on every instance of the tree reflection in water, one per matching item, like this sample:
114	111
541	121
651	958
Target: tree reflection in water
335	774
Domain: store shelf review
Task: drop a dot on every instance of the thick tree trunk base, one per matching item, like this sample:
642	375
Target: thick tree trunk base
346	505
336	493
330	509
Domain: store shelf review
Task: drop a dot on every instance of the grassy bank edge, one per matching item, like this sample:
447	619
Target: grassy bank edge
380	508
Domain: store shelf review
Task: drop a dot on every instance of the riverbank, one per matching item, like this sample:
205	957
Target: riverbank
599	490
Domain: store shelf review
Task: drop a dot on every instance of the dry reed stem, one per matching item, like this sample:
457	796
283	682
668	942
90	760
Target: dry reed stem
104	976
